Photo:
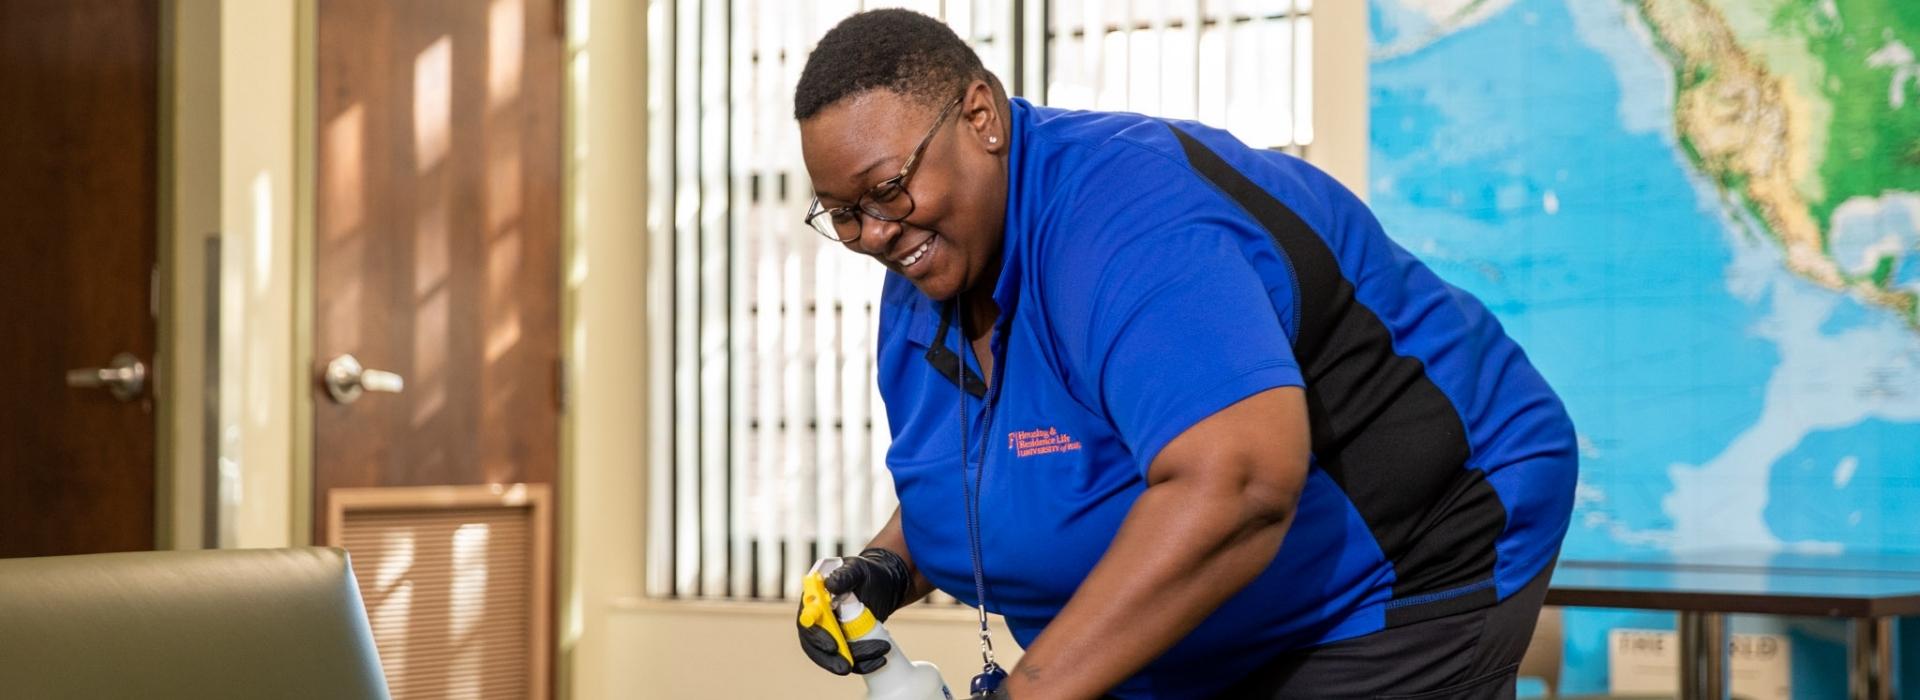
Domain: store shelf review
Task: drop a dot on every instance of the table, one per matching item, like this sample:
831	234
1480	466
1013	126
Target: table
1704	587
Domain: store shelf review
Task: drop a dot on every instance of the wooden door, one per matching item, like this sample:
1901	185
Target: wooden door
437	260
438	241
79	99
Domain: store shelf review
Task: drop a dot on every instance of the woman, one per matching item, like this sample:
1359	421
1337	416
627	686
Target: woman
1176	407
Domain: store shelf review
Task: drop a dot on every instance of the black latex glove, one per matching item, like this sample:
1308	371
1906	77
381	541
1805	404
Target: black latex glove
868	655
878	577
881	581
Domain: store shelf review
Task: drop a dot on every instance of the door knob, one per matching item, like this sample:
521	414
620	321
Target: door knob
124	377
346	379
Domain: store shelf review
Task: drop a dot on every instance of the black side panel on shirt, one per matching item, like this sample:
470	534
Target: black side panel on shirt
1381	428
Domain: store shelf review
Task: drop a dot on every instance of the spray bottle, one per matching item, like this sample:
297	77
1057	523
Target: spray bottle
848	621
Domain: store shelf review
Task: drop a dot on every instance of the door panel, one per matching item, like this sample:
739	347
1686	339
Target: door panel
79	100
438	238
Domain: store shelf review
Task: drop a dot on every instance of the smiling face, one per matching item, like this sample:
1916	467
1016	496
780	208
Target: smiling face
950	243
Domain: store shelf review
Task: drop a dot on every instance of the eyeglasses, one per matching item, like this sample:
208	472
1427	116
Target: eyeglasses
887	201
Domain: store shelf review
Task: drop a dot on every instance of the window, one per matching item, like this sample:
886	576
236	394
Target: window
770	437
1243	65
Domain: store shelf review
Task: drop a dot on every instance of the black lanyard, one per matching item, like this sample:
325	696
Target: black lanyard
990	672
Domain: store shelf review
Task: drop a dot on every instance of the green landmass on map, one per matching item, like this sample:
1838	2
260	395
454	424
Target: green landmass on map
1794	107
1873	147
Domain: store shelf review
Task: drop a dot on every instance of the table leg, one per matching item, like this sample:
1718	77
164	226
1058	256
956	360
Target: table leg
1870	673
1703	656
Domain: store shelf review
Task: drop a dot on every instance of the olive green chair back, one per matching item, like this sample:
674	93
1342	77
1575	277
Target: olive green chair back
240	623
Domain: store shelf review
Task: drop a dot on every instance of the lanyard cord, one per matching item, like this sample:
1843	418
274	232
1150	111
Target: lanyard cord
973	499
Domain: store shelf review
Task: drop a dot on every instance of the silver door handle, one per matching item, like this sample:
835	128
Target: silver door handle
124	377
346	379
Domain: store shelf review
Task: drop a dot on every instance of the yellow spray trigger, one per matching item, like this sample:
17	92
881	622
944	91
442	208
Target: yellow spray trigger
816	609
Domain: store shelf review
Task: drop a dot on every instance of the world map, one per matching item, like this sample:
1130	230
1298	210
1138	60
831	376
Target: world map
1701	218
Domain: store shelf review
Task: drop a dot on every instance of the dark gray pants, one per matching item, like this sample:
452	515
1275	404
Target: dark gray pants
1471	656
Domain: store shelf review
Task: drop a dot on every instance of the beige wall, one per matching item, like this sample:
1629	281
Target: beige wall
1340	92
674	649
603	445
190	125
230	141
257	141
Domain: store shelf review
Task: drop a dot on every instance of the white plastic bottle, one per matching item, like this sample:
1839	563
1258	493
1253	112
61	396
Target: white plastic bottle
900	678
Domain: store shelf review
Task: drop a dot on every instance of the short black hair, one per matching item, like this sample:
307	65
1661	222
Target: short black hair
892	49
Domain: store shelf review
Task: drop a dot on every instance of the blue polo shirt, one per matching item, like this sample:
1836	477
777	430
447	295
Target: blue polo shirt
1155	272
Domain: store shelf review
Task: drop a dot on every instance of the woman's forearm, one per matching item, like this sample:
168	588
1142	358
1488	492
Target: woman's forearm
893	539
1219	500
1182	551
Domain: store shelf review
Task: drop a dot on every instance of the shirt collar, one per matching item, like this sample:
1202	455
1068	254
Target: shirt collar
928	317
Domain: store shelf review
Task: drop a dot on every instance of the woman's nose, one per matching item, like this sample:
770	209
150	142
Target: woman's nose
876	236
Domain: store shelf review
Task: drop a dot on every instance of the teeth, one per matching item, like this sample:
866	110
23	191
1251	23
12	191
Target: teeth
914	257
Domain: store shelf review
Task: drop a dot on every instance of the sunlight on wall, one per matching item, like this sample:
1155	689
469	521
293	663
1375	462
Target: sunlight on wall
504	43
432	102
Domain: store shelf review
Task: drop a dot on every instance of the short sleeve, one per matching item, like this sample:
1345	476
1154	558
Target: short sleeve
1156	294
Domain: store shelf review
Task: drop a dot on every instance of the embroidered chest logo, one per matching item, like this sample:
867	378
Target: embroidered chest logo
1045	441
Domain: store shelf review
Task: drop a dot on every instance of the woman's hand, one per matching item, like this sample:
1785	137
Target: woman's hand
820	646
880	578
884	580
